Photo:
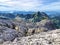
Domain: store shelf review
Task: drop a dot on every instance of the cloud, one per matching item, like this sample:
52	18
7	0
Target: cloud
55	6
4	6
22	4
30	5
3	0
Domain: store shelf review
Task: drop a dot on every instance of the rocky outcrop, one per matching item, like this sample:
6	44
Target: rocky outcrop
47	24
43	38
7	34
42	26
20	27
6	23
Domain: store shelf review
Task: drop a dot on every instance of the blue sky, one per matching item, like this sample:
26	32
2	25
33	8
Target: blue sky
30	5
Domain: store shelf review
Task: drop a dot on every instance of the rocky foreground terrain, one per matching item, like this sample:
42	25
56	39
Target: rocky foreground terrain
19	32
43	38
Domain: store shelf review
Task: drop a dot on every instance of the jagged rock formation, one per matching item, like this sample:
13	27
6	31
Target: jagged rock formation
42	26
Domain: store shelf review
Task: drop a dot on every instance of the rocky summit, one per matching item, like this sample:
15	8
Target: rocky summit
43	38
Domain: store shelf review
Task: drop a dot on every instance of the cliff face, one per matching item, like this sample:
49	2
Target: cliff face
43	38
